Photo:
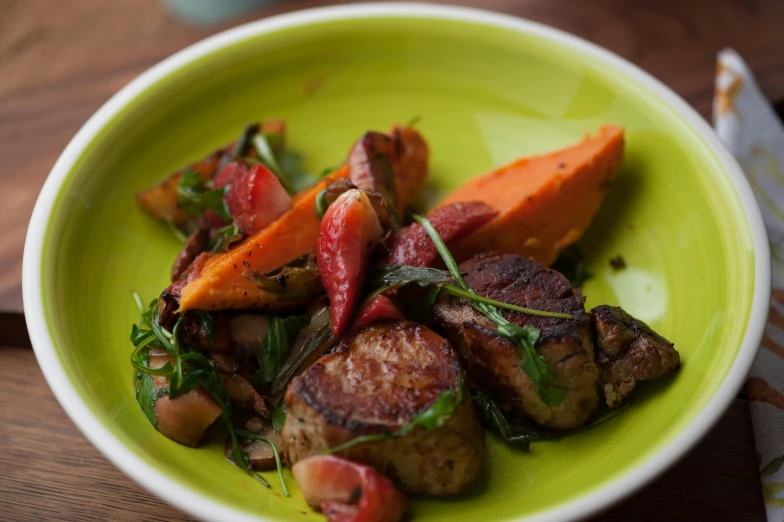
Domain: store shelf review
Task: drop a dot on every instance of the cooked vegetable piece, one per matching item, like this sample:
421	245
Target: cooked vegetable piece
378	308
243	394
255	197
298	279
412	246
185	418
248	330
195	245
222	283
260	453
348	492
545	202
162	200
349	233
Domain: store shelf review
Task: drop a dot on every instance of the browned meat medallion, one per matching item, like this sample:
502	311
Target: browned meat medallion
493	362
628	351
377	381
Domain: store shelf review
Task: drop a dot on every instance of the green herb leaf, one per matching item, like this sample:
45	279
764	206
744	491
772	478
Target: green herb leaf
195	197
495	421
207	321
277	344
175	230
533	364
146	394
278	464
225	237
242	148
433	417
321	203
322	335
278	417
297	279
267	157
397	276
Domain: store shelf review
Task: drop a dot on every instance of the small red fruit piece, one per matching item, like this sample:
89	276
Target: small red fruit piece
255	197
380	307
333	483
412	246
349	232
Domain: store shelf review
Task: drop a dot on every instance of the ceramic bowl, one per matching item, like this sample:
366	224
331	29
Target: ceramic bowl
488	88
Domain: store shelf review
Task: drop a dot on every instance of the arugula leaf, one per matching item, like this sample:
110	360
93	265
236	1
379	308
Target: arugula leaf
278	464
525	338
146	394
207	321
268	158
244	144
772	466
278	417
396	276
195	197
434	417
225	238
322	335
277	344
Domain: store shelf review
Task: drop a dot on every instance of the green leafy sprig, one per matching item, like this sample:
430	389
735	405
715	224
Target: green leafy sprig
525	338
195	196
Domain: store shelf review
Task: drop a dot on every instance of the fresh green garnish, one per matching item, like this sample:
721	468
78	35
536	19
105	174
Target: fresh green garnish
253	436
195	196
244	144
433	417
190	369
146	394
321	203
390	277
225	237
526	337
772	466
175	230
277	345
278	417
268	158
322	336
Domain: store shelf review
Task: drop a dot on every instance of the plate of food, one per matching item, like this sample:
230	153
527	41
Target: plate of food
387	261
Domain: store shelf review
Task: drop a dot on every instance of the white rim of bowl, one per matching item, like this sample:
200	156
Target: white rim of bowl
187	500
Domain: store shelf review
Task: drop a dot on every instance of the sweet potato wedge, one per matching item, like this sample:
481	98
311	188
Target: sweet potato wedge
222	283
545	202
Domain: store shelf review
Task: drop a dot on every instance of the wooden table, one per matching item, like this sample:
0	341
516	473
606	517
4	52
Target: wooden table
60	61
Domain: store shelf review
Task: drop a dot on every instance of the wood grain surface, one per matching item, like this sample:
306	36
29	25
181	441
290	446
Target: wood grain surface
59	61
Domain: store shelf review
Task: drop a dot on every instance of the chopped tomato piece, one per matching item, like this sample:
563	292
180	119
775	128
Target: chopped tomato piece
348	492
412	246
349	232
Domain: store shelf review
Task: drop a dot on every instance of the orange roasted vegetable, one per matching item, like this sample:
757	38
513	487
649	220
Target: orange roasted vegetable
545	202
222	283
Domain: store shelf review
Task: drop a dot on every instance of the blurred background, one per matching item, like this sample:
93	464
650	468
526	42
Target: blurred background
61	60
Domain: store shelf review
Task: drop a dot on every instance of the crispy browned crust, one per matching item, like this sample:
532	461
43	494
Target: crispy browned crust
375	382
628	350
493	361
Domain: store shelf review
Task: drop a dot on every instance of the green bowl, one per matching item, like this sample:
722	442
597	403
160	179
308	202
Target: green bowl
489	88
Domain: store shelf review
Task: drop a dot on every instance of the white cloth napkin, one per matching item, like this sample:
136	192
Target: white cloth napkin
751	130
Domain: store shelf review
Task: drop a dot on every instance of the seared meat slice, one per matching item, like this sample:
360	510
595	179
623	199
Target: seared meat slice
628	351
493	362
376	381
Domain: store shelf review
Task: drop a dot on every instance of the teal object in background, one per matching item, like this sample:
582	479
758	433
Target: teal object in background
209	12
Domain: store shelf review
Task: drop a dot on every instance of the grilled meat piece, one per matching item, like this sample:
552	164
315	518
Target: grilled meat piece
493	362
376	381
628	351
